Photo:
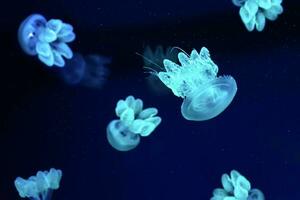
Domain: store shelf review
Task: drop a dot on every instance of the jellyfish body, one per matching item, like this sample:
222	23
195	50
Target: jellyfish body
236	187
205	95
90	71
46	39
39	187
255	12
134	121
153	59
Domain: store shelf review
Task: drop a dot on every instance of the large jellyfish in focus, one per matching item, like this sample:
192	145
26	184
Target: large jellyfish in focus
255	12
39	187
90	71
124	134
236	187
153	59
46	39
205	95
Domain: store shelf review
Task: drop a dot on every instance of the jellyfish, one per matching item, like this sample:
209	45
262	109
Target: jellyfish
39	187
124	133
236	187
204	94
153	59
46	39
89	71
255	12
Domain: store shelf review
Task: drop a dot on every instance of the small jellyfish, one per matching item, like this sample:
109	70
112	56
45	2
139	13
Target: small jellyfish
39	187
153	59
46	39
205	95
255	12
236	187
90	71
124	134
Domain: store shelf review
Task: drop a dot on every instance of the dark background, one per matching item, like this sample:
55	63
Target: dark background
45	123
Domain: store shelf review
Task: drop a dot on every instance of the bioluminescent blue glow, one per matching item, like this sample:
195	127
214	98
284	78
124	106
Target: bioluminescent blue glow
134	121
255	12
90	71
236	187
39	187
204	94
46	39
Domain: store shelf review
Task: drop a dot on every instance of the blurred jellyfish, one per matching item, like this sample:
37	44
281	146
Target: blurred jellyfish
153	60
255	12
46	39
236	187
90	71
124	134
205	95
39	187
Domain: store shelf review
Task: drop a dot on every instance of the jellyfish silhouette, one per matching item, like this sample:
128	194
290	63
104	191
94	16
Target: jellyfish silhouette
124	134
46	39
205	95
39	187
255	12
236	187
90	71
153	59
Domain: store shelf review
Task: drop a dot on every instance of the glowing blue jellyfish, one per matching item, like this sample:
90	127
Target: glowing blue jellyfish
90	71
39	187
205	95
153	60
46	39
124	134
236	187
255	12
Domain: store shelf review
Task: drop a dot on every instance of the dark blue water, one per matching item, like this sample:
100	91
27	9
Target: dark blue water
46	123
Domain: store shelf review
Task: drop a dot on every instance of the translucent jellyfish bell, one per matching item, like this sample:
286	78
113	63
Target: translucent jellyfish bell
256	194
205	95
120	137
29	31
90	71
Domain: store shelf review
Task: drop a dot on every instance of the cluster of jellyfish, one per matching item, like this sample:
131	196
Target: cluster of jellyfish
41	186
191	77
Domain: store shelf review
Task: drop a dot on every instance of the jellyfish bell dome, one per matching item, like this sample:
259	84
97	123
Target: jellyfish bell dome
74	69
29	31
256	194
209	100
120	137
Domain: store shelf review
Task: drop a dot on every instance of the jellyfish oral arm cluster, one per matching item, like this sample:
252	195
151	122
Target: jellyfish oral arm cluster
255	12
236	187
39	187
195	80
46	39
124	133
